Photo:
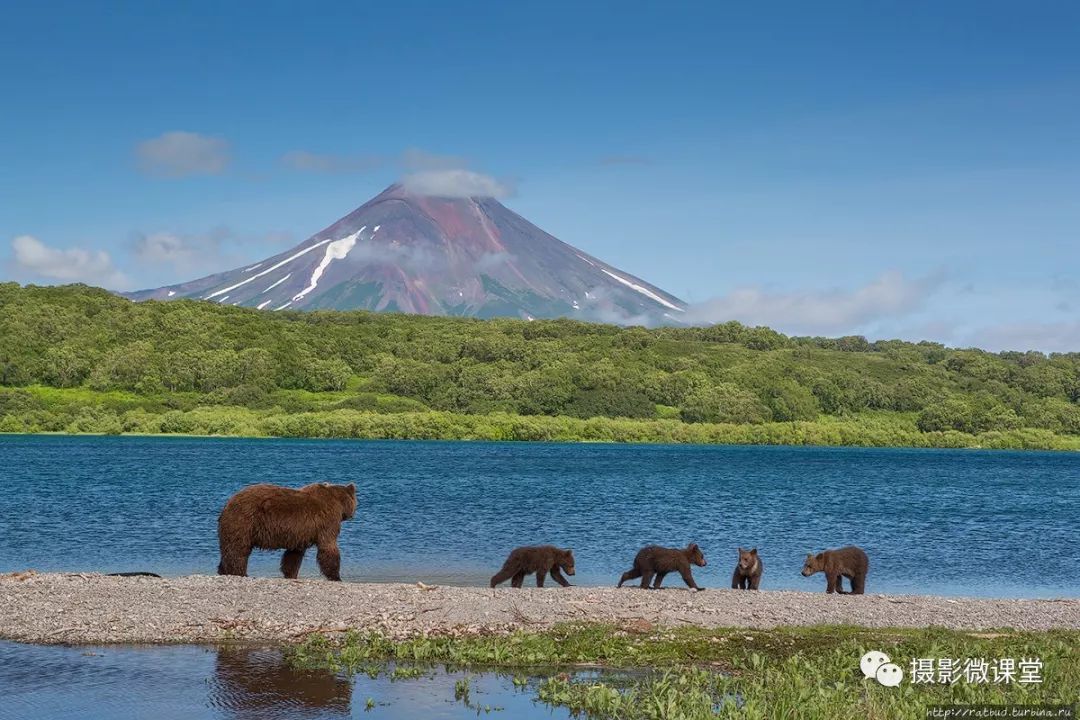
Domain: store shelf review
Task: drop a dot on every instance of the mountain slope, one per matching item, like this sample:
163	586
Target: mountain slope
435	256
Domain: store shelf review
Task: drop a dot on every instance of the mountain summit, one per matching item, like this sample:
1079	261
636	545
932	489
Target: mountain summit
413	253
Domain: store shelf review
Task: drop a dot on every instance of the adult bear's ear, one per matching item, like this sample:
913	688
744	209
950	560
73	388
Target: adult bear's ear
352	488
754	551
740	550
693	546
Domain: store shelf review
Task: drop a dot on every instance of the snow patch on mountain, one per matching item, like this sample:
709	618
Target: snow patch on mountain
644	291
336	250
286	261
287	276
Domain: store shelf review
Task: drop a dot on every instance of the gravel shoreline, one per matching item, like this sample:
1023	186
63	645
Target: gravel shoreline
57	608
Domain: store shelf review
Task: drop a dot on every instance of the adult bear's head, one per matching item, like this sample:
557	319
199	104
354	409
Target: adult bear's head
343	495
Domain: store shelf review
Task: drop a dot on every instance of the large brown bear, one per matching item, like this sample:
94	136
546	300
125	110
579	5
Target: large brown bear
850	562
539	559
653	560
270	517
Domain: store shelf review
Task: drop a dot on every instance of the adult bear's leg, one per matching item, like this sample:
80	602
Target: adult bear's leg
518	579
233	562
629	575
329	558
557	576
659	579
290	562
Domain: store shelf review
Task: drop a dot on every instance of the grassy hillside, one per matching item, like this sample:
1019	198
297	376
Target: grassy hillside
79	359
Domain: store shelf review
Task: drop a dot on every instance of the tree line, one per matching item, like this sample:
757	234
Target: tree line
75	349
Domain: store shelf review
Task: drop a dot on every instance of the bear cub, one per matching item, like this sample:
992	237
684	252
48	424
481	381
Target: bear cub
850	562
270	517
539	559
655	561
747	575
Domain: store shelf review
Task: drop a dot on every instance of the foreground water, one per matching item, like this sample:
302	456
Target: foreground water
961	522
196	683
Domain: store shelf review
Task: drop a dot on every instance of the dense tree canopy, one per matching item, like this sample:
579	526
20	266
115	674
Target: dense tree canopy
119	356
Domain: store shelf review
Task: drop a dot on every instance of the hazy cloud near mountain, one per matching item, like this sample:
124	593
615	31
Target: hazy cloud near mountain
1047	337
454	184
818	312
179	154
68	265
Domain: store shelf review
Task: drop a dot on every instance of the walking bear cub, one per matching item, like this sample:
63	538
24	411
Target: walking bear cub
747	575
270	517
657	561
850	562
539	559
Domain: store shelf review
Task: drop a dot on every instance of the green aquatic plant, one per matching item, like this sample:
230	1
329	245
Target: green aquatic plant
692	673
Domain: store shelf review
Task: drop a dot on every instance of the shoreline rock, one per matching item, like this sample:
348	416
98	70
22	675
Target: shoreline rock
65	608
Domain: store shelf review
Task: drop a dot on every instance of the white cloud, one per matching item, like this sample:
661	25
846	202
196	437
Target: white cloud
1047	337
179	153
305	161
93	267
454	184
818	312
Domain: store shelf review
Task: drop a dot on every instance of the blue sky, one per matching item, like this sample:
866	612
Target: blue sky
907	169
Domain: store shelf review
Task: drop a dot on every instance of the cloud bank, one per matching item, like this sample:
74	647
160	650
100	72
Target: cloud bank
818	312
180	154
93	267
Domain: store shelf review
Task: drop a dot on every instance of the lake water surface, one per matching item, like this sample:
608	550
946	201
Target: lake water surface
237	683
962	522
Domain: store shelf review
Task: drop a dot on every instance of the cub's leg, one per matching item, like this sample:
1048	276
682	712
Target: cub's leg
557	576
659	579
646	577
290	562
329	558
540	575
519	577
832	582
754	582
858	584
502	576
688	578
736	581
629	575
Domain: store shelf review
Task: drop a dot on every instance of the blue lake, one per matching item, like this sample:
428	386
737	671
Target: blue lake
239	683
960	522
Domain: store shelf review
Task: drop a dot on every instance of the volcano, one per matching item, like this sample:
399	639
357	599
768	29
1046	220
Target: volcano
406	252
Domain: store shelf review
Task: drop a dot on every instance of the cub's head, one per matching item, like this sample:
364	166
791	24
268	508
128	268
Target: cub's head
566	561
747	559
812	565
694	555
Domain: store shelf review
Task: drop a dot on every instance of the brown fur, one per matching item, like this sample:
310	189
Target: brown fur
747	575
850	562
657	561
539	559
270	517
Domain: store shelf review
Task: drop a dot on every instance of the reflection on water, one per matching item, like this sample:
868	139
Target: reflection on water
255	683
230	683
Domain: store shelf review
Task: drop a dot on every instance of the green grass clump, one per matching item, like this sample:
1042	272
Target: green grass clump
693	673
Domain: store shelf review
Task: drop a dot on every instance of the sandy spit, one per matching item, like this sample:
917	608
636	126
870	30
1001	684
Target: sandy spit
55	608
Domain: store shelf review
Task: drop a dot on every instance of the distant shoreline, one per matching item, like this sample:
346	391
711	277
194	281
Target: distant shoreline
798	434
65	608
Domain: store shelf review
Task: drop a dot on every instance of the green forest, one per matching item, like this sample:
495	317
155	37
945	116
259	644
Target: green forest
77	359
